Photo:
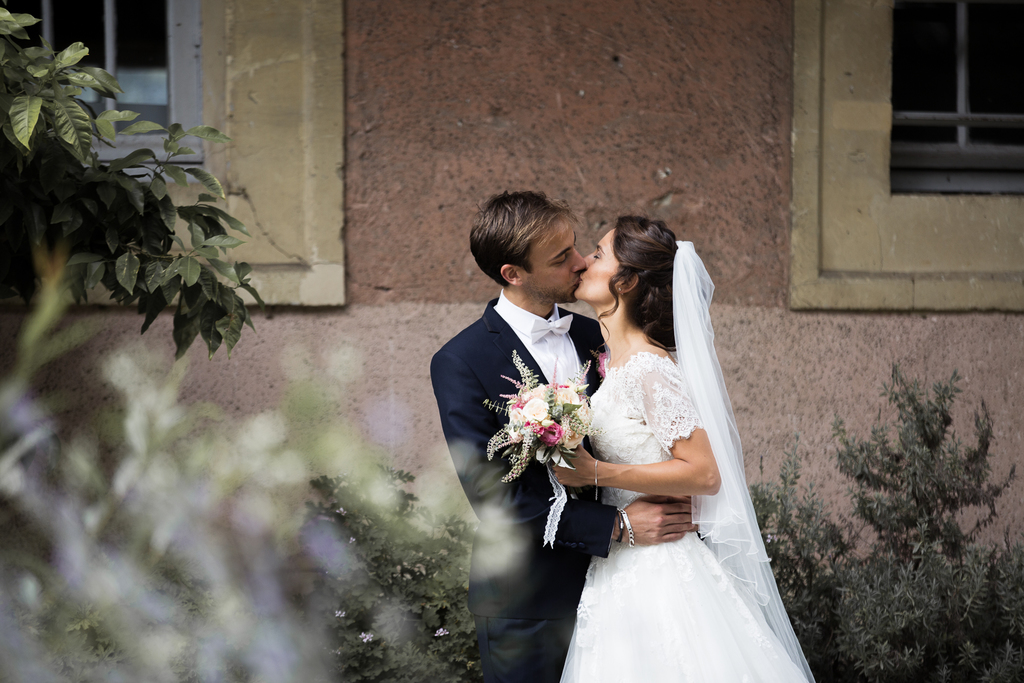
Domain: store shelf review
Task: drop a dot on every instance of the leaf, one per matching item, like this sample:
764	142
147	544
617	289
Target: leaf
134	189
72	54
203	197
142	127
223	241
210	286
61	213
95	273
154	304
208	180
109	83
73	223
175	131
255	295
24	115
242	269
159	188
113	239
90	205
107	193
185	330
189	270
83	257
167	212
177	175
208	133
115	115
230	329
225	269
126	269
232	222
106	129
208	317
196	232
132	159
154	276
171	147
73	126
207	251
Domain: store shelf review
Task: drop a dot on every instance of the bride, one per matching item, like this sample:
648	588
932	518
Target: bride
699	609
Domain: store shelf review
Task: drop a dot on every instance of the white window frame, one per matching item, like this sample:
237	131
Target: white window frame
184	75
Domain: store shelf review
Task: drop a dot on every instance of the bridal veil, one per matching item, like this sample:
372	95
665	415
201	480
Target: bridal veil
726	520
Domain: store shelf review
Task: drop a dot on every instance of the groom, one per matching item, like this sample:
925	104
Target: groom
524	596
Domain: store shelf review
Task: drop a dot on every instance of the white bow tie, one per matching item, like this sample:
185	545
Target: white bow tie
544	327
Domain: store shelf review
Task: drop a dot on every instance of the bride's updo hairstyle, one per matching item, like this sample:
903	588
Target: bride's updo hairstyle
646	252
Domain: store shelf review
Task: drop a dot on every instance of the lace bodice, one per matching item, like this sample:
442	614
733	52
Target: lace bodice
641	409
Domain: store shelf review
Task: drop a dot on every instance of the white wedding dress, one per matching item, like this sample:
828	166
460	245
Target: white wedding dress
665	613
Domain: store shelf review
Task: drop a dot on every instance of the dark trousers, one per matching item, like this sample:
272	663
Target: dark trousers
523	650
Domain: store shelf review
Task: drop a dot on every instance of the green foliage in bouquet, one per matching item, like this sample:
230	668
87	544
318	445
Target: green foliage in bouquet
914	597
395	582
116	221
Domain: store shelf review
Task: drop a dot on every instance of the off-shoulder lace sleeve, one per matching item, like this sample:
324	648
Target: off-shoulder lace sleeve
667	407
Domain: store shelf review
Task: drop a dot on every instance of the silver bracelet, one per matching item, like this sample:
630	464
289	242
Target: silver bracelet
629	527
596	494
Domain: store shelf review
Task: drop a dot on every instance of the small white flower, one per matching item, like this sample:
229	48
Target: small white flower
769	538
339	614
440	632
366	636
341	511
352	539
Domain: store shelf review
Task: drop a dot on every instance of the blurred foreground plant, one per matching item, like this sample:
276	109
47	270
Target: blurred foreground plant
398	600
923	600
166	553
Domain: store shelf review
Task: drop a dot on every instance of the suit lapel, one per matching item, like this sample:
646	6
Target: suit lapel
506	339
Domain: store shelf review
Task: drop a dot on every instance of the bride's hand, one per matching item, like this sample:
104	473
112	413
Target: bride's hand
583	475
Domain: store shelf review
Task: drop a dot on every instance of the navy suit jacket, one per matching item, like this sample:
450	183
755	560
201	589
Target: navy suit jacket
512	575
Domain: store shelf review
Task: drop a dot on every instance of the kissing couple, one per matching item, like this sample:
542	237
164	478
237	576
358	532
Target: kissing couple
665	577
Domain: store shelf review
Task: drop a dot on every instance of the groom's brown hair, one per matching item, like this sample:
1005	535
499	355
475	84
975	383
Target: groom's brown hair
508	224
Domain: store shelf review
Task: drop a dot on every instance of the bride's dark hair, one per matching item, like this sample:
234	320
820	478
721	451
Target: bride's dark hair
646	252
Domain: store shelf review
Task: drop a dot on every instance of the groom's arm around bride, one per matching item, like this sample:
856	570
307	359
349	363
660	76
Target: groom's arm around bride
524	596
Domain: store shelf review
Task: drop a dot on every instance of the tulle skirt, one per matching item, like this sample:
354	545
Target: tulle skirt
669	613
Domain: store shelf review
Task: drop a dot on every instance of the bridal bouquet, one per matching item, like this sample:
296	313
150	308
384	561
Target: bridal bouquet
547	422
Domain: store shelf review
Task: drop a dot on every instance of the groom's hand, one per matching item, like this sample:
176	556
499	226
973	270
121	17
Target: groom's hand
659	519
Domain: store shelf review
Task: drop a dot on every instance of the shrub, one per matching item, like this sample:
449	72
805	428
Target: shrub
922	600
397	591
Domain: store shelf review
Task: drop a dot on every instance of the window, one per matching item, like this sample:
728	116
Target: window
151	47
858	242
957	97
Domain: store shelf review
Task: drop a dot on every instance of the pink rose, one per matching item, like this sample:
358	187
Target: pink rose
551	435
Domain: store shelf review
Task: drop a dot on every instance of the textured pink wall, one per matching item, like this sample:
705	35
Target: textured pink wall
590	101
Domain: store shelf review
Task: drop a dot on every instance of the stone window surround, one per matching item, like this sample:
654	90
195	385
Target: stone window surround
855	245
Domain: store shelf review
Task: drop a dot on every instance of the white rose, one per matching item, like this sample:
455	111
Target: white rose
515	416
536	410
567	395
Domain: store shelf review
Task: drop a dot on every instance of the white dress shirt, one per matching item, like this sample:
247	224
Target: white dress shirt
555	353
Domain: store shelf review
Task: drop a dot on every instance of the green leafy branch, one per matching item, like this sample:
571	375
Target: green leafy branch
117	221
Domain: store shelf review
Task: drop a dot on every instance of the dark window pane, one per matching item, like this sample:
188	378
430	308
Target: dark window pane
924	133
924	57
996	58
80	21
997	136
142	58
